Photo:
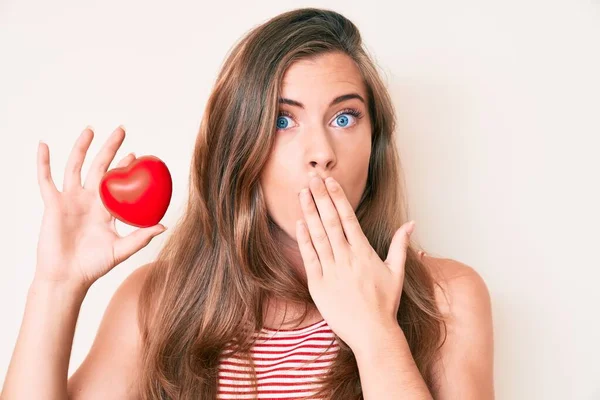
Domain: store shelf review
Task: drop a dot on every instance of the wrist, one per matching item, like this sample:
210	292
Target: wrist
379	340
74	289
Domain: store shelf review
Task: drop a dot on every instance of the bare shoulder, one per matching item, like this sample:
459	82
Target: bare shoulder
465	366
115	352
458	284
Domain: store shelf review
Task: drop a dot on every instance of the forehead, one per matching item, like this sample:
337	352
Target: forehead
322	78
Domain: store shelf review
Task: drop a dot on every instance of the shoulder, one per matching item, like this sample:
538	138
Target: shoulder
124	307
129	290
465	364
135	281
124	302
458	286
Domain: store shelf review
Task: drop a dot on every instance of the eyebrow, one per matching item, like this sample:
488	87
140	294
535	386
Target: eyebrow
339	99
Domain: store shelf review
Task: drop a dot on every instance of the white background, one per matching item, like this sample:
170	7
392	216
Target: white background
499	116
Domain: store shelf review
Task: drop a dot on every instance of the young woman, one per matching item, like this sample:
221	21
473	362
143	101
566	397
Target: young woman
242	301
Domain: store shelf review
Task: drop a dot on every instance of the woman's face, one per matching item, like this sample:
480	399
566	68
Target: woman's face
317	136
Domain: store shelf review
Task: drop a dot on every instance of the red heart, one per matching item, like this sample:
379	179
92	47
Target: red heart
138	194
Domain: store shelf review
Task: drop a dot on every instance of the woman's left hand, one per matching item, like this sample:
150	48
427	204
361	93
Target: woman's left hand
354	290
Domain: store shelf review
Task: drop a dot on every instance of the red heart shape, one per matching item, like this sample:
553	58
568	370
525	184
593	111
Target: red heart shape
138	194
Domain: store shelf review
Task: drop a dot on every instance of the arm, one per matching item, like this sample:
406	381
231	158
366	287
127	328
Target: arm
77	245
464	369
39	364
387	369
110	369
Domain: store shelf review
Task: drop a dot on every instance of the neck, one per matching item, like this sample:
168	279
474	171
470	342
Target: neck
291	251
277	314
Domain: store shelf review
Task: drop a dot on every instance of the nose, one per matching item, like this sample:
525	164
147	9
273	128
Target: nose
319	152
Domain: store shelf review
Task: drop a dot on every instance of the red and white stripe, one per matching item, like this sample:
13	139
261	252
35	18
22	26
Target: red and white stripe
288	364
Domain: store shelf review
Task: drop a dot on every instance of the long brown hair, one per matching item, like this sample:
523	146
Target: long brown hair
207	289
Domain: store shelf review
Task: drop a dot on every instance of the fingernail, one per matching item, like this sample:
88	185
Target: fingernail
122	127
91	128
411	227
303	193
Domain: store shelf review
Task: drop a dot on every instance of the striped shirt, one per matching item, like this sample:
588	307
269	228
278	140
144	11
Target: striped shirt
288	364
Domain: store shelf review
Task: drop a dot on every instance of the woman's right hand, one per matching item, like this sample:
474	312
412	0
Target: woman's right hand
78	241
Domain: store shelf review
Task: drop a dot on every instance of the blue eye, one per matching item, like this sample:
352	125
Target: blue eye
281	122
341	118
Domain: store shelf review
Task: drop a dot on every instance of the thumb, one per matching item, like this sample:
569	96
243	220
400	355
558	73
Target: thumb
126	246
397	252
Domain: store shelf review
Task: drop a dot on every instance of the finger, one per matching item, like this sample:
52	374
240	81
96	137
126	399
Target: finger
72	177
330	219
104	158
351	227
126	246
310	259
317	232
48	189
396	257
125	161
